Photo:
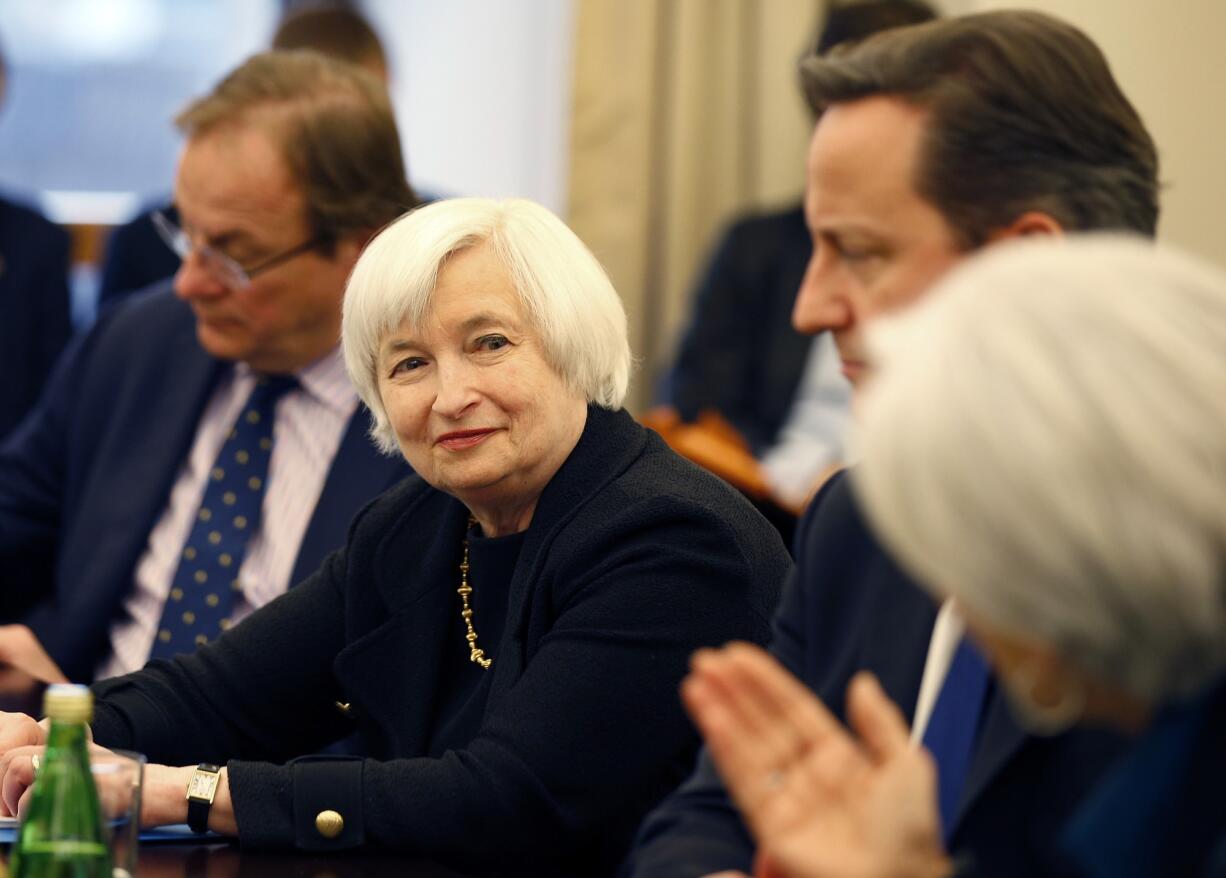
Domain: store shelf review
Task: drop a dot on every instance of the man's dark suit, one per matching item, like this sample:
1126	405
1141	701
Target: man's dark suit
850	608
740	355
136	256
85	478
34	307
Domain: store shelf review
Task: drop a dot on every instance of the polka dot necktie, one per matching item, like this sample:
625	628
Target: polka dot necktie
203	588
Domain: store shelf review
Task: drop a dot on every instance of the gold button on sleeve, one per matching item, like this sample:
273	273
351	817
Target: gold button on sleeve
329	824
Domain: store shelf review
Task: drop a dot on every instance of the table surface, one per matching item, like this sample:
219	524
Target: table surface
224	860
228	861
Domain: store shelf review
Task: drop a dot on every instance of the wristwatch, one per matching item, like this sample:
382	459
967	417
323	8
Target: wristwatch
200	792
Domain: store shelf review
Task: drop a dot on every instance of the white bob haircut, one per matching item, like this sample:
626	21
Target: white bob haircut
566	295
1046	442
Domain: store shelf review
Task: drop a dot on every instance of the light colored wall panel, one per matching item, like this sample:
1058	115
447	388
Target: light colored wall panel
1170	59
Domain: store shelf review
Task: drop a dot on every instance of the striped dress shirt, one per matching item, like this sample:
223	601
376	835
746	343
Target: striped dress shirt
309	424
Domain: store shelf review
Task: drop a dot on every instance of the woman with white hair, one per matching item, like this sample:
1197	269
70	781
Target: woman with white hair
504	632
1045	445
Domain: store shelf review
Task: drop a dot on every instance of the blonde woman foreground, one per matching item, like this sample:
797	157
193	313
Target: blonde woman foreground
504	632
1046	445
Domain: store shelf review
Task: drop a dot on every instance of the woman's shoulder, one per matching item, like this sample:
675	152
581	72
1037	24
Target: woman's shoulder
386	510
663	498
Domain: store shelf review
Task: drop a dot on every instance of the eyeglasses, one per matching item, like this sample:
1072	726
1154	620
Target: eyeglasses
218	264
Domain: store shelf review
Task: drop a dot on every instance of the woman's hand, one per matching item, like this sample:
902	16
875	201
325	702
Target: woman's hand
19	730
21	738
164	799
819	801
17	771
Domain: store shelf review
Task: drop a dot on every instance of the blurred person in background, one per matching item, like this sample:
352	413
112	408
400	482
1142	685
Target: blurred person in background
35	308
506	631
136	256
209	420
933	141
1044	443
746	386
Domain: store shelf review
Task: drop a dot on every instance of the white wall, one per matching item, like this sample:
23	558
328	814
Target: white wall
482	93
1170	60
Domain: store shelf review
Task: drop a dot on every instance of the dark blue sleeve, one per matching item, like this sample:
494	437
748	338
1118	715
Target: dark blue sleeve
33	467
135	258
34	302
714	367
697	830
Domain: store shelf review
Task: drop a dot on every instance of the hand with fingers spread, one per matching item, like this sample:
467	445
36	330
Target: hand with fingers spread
819	800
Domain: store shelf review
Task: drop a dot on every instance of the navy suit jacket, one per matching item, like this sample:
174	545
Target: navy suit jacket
85	478
34	307
740	354
136	257
850	608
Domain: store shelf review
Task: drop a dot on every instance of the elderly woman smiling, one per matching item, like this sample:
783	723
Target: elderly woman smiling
506	632
1045	445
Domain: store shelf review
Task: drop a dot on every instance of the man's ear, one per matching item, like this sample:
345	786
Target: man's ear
1032	222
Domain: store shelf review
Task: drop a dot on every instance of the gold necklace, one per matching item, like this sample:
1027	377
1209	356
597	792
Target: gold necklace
476	654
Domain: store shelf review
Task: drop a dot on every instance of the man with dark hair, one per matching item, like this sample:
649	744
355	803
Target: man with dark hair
932	141
740	365
336	31
847	21
201	449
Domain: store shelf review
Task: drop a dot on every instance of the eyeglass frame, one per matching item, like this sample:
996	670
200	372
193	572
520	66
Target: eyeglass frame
225	268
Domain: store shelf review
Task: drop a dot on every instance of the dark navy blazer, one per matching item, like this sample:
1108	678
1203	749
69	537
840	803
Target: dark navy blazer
34	307
634	559
740	354
850	608
85	478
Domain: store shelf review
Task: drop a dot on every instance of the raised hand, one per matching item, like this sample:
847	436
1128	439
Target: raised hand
821	802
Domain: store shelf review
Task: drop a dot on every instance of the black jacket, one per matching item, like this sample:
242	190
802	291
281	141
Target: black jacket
634	558
740	354
35	303
851	608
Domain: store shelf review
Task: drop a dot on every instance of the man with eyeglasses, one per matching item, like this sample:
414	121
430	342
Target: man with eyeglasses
201	449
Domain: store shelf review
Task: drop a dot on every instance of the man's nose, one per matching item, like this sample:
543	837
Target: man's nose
821	302
194	281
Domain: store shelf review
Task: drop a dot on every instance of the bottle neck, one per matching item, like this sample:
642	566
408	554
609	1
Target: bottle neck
67	735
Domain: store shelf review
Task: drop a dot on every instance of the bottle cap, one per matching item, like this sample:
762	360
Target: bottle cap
69	703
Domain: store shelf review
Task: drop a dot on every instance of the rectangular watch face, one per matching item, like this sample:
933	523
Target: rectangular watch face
202	786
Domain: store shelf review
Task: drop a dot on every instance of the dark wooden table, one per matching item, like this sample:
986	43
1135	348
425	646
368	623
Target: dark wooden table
204	860
187	860
227	861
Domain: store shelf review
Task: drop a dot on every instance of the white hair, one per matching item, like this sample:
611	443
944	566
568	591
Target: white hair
566	294
1046	442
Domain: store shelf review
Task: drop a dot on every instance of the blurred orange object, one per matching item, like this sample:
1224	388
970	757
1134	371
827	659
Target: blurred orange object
713	444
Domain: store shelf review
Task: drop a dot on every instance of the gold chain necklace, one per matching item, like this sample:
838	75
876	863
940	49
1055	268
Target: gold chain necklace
476	654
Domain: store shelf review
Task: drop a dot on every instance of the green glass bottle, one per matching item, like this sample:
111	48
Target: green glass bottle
62	835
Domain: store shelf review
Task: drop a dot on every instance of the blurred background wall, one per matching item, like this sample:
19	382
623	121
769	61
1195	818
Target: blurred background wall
648	124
